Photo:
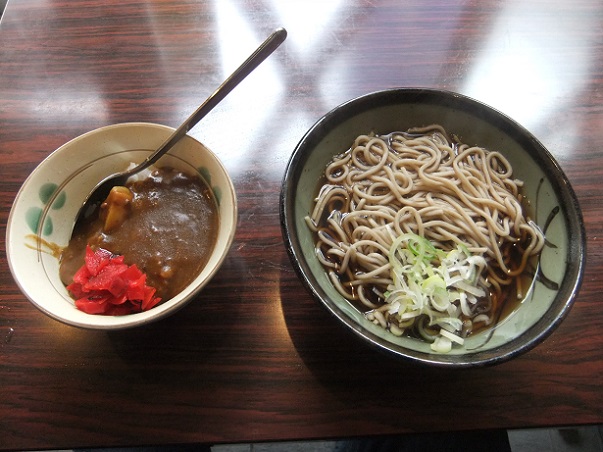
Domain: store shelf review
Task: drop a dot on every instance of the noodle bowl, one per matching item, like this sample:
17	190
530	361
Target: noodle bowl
459	203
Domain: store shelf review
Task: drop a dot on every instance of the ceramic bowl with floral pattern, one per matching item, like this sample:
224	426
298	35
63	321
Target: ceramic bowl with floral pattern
42	218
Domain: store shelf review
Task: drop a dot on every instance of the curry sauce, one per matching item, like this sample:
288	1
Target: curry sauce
168	228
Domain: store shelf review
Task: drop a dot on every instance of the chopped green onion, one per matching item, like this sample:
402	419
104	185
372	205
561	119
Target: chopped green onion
433	283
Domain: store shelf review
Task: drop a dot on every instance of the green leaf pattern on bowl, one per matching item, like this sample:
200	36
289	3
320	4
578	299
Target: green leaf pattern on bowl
206	175
34	215
46	193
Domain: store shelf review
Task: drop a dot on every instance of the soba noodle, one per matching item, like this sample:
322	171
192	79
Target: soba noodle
422	185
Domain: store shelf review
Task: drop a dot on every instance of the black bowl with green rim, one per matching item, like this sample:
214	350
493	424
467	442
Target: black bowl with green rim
474	123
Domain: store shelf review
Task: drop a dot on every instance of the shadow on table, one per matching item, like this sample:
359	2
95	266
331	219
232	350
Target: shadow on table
189	336
360	376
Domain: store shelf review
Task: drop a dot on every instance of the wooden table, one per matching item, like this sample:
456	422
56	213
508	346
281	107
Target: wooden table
254	358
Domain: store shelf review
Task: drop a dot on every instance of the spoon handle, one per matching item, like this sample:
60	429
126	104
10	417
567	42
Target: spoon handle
254	60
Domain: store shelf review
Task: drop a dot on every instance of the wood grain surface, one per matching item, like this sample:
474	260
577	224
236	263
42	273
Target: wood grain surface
254	357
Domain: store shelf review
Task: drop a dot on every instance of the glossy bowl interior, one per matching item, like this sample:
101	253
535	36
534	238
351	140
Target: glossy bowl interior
475	124
49	199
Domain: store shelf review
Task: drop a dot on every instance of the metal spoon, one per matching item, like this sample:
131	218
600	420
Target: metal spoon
102	189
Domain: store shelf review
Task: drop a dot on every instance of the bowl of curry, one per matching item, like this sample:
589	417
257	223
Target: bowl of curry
145	253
